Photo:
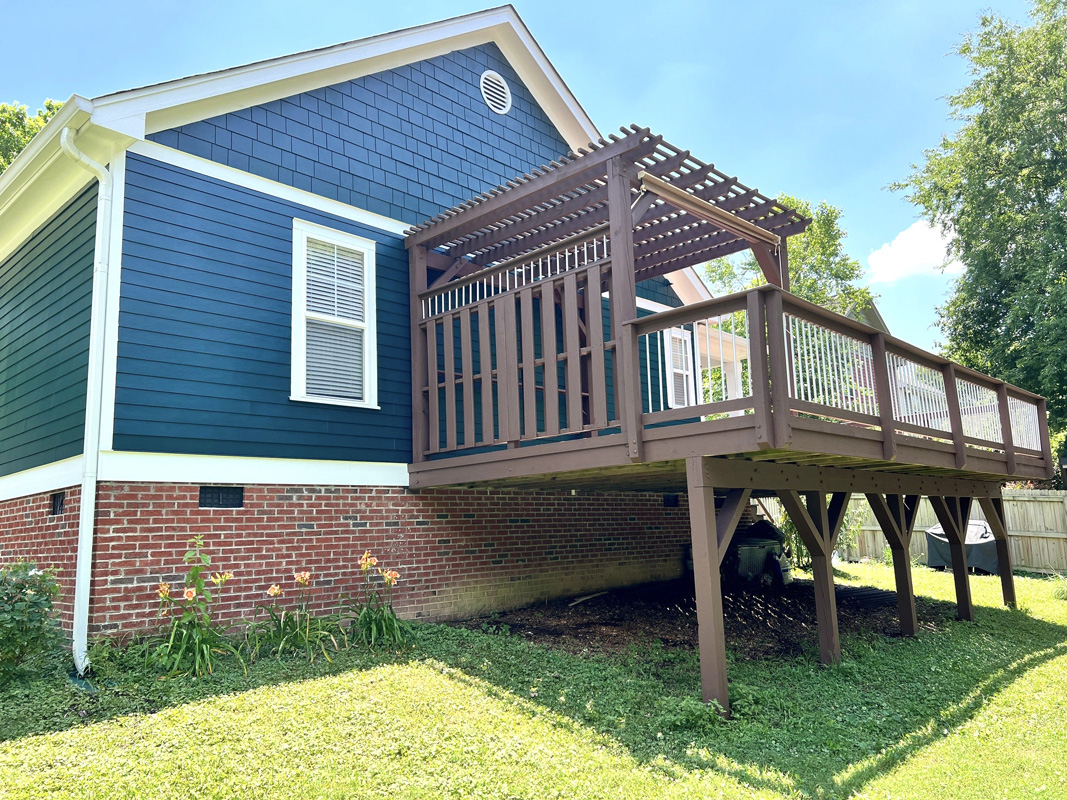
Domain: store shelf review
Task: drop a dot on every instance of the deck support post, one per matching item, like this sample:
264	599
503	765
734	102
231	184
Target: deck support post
993	508
819	524
421	424
896	516
954	513
711	534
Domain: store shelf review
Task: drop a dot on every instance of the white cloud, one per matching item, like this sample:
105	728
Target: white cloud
919	249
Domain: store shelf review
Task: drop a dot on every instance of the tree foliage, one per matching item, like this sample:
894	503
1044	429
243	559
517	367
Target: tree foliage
18	127
997	185
819	268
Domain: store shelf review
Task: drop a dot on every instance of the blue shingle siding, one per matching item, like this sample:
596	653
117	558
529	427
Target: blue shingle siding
205	323
659	290
405	143
45	300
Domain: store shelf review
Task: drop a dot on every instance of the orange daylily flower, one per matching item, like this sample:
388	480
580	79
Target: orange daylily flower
190	593
391	576
164	591
274	591
302	578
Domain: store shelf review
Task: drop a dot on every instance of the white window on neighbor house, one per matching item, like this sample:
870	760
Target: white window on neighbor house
334	353
681	380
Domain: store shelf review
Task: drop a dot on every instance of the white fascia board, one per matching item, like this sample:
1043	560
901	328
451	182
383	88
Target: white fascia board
41	179
246	180
47	478
126	467
175	103
688	286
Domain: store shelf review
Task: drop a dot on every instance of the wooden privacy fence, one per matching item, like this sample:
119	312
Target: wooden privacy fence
1036	522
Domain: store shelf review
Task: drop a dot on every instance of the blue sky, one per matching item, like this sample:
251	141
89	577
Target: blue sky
828	100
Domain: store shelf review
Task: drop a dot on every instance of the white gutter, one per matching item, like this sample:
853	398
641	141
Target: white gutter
91	446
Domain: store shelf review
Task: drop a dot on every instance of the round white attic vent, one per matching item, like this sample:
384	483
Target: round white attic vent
495	92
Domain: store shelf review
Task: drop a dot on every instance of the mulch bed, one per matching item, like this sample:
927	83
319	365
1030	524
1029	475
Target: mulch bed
759	623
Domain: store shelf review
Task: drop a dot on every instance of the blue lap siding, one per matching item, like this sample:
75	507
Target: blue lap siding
205	324
406	143
45	300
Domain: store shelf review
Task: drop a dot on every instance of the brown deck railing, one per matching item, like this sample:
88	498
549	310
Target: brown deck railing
525	352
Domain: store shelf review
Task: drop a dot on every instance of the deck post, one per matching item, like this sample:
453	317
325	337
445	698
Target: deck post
711	633
420	422
953	513
993	508
818	525
896	516
624	306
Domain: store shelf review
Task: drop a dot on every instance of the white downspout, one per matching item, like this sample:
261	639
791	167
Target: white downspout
93	395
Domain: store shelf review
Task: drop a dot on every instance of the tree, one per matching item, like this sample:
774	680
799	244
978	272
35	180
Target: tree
997	187
819	268
17	128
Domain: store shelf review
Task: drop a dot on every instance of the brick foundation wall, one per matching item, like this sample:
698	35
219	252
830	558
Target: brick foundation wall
459	552
29	532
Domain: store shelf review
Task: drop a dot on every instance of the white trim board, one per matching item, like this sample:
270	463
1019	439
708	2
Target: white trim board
246	180
126	467
114	292
138	112
46	478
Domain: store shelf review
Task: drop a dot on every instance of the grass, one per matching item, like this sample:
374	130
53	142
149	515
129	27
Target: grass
969	710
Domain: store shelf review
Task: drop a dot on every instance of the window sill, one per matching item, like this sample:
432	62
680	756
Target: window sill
330	401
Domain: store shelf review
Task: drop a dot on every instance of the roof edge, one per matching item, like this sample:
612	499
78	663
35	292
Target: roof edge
161	106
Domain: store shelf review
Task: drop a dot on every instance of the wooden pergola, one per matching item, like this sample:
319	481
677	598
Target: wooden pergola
531	367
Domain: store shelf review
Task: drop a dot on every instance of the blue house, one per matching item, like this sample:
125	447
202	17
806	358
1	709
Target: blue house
401	295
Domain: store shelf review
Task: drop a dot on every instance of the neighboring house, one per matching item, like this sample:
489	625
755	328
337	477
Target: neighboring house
399	295
244	351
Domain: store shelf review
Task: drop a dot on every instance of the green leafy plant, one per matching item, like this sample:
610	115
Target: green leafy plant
1059	590
373	619
195	639
27	619
294	630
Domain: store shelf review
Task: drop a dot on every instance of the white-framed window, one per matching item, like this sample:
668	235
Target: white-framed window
334	346
681	379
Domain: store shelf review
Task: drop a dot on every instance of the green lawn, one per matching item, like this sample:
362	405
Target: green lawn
965	710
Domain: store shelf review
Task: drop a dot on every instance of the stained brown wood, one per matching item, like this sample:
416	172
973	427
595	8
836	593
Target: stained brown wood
993	508
711	632
778	371
485	349
884	396
758	371
726	519
1005	426
624	307
896	516
433	387
783	261
549	350
572	349
507	369
954	415
533	192
767	263
1046	442
594	312
953	513
467	375
420	414
448	327
818	525
529	370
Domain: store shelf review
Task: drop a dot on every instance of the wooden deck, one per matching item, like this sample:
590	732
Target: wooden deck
532	367
828	392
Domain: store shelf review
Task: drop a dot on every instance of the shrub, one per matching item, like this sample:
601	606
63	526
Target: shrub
294	630
373	619
195	638
27	619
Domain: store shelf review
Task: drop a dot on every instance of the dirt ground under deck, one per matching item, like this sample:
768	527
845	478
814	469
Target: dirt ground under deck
759	623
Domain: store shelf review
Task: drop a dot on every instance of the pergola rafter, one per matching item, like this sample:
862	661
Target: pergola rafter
689	211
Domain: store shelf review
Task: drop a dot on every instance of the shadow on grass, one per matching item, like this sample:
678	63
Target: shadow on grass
43	697
798	726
